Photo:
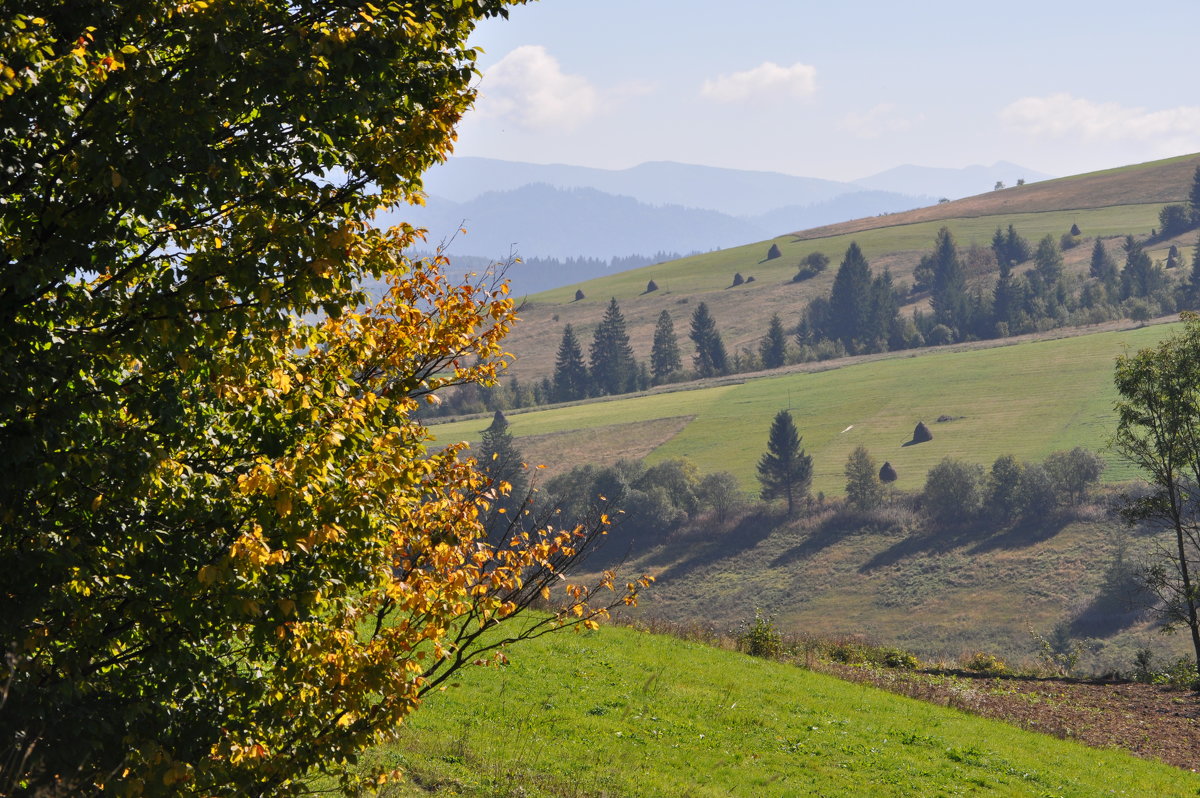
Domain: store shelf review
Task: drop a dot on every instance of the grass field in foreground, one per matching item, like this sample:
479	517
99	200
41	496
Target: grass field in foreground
623	713
1027	399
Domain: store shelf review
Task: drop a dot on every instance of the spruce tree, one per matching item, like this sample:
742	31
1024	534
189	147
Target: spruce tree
881	331
850	301
664	354
1016	246
784	471
948	293
710	357
613	368
570	372
1103	267
1006	301
773	348
501	461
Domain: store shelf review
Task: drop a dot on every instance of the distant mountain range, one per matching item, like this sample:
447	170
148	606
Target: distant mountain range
558	212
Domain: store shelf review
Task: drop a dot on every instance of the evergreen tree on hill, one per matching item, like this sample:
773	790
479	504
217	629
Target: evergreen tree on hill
850	301
710	359
501	461
1103	267
571	379
664	354
883	330
784	471
773	348
1191	289
948	293
613	368
1194	197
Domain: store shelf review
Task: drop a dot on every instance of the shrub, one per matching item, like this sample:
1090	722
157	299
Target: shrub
952	491
761	639
940	336
989	664
899	659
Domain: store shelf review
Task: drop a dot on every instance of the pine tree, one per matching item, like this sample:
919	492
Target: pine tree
948	293
613	368
784	471
850	301
501	461
863	488
710	357
664	354
773	348
1016	247
1006	301
570	372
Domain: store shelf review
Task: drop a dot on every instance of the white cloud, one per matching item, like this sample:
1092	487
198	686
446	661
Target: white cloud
878	121
528	88
765	80
1061	115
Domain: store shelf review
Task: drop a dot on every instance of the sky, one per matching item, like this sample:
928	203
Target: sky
839	90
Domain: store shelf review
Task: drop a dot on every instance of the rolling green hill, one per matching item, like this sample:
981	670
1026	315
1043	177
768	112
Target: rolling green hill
1027	399
1103	204
622	713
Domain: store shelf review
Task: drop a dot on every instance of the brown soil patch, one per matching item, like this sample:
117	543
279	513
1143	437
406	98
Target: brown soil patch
1149	721
600	446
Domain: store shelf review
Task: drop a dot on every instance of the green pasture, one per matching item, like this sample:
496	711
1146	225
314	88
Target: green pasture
713	271
623	713
1027	399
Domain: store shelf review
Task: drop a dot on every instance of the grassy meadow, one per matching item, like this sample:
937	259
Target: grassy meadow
1027	399
622	713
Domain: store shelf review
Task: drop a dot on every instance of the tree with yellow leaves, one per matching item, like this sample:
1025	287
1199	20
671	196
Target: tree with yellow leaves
229	560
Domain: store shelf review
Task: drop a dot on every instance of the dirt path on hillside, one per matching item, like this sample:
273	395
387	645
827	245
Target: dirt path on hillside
1150	721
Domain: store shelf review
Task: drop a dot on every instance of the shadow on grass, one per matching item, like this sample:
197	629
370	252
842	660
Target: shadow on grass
938	540
742	535
1121	603
1024	533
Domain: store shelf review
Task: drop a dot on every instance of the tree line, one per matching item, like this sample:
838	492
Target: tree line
863	312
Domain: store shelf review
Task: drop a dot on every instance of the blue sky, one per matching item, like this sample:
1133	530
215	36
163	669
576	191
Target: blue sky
839	90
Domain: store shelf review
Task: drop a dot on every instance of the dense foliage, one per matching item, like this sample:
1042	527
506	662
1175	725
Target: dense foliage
229	559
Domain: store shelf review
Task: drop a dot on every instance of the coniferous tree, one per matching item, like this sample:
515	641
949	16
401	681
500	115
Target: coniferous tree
850	300
773	348
1194	197
1191	290
570	372
948	293
784	471
1140	277
1006	301
1103	267
883	330
664	354
1016	246
613	368
711	358
501	461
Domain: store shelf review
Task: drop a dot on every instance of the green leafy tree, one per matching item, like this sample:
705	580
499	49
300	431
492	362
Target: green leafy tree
784	470
224	541
1001	499
1158	431
1074	472
664	353
613	368
710	359
571	378
773	348
1174	219
863	488
952	491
